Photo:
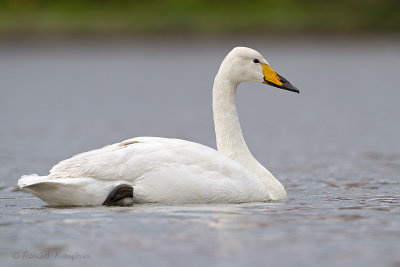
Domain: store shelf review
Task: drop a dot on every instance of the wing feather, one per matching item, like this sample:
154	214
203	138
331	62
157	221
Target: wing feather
134	157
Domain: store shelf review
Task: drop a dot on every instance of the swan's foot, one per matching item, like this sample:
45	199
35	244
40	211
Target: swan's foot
121	192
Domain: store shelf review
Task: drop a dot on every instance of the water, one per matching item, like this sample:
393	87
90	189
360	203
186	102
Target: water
335	147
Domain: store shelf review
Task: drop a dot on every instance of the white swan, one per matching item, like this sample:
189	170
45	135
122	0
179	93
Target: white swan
173	171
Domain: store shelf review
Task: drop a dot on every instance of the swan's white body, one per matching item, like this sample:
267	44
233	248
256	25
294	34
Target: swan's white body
171	171
160	170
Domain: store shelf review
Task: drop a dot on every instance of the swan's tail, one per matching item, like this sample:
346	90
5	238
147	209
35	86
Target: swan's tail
27	180
67	191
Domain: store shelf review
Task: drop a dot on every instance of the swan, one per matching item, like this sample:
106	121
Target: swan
173	171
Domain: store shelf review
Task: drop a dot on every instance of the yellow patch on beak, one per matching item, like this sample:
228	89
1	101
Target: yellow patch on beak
270	75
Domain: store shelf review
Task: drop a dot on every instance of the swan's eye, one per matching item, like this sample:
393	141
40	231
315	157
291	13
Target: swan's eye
256	60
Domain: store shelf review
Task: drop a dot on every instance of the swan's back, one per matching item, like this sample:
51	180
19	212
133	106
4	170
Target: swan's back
166	171
134	157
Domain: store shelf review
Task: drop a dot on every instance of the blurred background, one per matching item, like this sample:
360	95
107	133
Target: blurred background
78	75
130	17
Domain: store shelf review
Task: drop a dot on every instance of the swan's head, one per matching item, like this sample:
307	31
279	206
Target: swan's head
244	64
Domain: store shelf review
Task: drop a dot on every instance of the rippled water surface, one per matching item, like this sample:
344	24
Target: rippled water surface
335	147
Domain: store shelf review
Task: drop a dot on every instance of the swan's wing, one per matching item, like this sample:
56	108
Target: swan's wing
106	163
131	159
162	170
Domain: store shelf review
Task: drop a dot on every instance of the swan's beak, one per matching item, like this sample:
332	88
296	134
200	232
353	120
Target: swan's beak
274	79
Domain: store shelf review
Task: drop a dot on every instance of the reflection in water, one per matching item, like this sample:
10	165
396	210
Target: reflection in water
335	148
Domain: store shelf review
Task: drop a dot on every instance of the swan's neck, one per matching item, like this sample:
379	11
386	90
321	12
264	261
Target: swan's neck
230	141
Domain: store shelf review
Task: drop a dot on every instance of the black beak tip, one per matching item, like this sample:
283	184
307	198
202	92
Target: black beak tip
291	89
286	85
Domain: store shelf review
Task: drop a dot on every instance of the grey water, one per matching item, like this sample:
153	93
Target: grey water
335	147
